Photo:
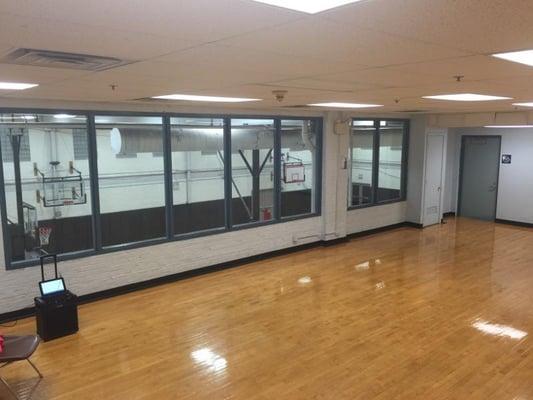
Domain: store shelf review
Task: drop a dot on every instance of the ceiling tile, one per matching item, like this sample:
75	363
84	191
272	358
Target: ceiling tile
479	26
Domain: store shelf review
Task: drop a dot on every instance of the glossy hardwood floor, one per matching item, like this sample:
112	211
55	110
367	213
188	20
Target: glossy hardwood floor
440	313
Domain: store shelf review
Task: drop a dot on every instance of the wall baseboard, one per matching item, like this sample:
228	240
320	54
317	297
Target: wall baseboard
515	223
413	225
377	230
118	291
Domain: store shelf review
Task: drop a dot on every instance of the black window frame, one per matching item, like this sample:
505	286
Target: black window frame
375	162
167	155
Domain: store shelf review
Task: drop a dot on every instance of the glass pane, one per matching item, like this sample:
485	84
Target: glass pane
390	160
362	157
298	152
252	165
198	174
130	178
47	187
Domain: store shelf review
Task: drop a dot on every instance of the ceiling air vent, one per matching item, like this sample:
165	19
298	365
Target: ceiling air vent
59	59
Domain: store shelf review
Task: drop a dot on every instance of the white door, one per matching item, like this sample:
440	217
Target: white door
435	156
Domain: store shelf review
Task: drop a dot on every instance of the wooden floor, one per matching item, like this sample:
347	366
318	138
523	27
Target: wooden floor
440	313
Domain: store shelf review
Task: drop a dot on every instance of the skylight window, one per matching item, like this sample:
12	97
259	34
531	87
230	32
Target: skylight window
308	6
466	97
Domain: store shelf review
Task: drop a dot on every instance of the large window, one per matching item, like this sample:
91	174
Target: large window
76	184
299	143
130	178
197	174
252	171
47	190
378	159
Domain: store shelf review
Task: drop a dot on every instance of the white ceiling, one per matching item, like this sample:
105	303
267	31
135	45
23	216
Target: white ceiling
389	52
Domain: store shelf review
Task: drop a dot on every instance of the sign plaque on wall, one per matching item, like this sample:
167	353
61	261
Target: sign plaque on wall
506	159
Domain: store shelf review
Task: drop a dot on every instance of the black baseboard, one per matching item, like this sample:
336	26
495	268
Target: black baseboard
413	225
377	230
515	223
449	214
17	314
327	243
104	294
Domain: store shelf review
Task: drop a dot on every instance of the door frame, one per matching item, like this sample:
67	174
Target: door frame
461	170
444	134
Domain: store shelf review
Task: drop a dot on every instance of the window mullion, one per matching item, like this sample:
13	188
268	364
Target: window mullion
375	163
93	169
277	169
167	155
227	173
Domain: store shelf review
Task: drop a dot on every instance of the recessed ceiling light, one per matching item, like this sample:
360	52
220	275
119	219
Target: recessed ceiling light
16	85
523	104
509	126
522	57
308	6
64	116
465	97
345	105
213	99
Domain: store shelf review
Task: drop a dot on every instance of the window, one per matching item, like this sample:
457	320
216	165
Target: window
391	157
362	156
47	190
197	174
252	170
378	161
298	161
80	183
132	188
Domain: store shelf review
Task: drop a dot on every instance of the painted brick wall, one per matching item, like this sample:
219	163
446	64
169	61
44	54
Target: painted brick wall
366	219
106	271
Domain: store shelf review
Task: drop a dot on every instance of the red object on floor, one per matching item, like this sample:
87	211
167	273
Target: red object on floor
1	343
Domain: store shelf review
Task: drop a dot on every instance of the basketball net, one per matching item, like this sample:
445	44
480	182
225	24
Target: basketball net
44	235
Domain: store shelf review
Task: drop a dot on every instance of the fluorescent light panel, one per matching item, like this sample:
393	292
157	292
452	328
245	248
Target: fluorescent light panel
523	104
212	99
522	57
345	105
509	126
308	6
16	85
465	97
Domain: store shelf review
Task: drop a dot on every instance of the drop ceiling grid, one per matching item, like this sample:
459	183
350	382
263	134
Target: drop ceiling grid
362	51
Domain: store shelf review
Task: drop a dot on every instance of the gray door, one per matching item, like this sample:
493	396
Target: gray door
479	177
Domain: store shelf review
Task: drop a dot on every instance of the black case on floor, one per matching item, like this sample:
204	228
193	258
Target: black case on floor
57	315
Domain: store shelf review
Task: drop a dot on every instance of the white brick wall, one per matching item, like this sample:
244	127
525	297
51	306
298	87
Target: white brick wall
366	219
106	271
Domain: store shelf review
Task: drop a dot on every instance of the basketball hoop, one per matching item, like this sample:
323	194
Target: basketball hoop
44	235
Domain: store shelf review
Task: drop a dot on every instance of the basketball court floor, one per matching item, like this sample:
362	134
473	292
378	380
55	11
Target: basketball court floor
439	313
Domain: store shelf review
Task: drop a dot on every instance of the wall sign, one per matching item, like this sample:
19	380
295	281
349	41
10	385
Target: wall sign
506	159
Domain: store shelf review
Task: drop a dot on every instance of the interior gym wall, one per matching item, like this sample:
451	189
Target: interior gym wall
106	271
515	190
